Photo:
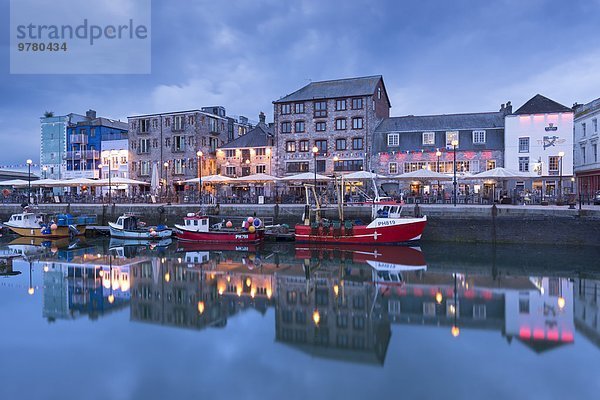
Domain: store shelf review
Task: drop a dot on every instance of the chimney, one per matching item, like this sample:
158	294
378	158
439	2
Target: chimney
262	117
502	108
90	114
508	108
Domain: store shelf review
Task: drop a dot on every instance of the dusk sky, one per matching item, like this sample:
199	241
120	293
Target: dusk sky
435	56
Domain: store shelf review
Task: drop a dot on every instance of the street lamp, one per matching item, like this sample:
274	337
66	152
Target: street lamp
438	154
315	151
29	162
561	154
454	144
199	154
166	165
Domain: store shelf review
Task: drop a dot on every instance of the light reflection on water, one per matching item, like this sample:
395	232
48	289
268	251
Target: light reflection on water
453	315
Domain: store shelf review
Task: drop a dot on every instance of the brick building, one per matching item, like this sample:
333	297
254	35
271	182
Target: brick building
338	117
175	138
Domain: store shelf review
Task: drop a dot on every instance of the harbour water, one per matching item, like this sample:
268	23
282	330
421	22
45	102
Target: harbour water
106	319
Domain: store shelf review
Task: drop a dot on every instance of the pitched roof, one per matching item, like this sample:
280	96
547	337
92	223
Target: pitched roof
362	86
257	137
539	104
410	123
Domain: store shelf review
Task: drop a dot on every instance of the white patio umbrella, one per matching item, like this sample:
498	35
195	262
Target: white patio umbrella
118	181
358	175
502	173
257	178
211	179
306	176
154	180
424	175
45	183
15	182
77	182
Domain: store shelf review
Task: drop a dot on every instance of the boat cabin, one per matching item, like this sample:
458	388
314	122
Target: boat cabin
196	223
26	220
128	222
386	211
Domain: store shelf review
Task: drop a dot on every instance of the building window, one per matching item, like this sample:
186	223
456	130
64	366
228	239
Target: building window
261	151
340	124
320	109
583	154
286	108
321	126
178	122
595	152
144	146
144	168
393	139
230	153
348	165
553	165
299	126
178	143
179	167
167	121
286	127
340	105
595	125
297	167
378	93
490	164
393	168
299	108
230	171
357	103
524	145
93	132
523	164
479	311
583	129
357	123
144	125
478	137
340	144
357	143
303	146
322	146
428	138
450	137
321	165
261	169
290	147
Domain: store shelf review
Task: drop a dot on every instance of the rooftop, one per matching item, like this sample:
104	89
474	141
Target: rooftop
539	104
412	123
361	86
257	137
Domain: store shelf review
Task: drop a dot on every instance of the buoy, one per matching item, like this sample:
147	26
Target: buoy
250	220
229	224
153	233
252	229
257	223
53	227
245	225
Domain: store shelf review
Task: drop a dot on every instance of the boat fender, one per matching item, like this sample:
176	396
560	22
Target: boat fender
46	231
161	209
161	227
73	231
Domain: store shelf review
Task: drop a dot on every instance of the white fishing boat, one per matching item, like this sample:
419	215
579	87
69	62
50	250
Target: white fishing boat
129	226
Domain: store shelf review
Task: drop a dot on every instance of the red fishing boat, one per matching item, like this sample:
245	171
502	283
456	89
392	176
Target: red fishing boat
196	228
387	226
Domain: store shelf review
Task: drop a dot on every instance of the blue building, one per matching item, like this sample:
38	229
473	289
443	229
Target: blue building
53	143
84	144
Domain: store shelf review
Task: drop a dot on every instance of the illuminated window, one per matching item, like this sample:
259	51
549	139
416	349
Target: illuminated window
303	146
393	168
553	164
290	147
450	137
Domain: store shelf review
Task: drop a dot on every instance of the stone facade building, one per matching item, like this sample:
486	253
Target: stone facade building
586	134
409	143
338	117
175	138
248	154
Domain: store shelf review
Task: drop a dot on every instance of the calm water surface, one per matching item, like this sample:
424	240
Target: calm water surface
102	319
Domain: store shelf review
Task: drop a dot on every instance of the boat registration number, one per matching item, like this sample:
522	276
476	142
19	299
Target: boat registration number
241	236
386	222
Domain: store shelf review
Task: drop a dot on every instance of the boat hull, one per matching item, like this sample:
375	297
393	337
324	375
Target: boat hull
396	231
219	236
138	235
59	232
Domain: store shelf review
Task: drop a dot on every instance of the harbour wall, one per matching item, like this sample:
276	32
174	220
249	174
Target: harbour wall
464	224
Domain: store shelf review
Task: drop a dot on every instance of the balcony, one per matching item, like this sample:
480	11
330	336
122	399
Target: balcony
82	155
78	139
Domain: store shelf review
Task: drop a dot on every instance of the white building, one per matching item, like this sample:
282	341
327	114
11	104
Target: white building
586	133
115	160
539	139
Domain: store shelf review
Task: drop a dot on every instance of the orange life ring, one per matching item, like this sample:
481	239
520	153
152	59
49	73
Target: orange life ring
6	192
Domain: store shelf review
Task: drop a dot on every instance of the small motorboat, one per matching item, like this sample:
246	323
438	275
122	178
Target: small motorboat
41	225
196	228
128	226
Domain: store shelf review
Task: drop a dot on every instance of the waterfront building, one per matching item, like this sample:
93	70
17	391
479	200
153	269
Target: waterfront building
409	143
84	145
337	117
236	126
53	143
539	140
586	309
173	139
586	162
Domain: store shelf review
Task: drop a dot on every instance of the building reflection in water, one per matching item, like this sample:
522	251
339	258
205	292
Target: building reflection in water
340	304
586	310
